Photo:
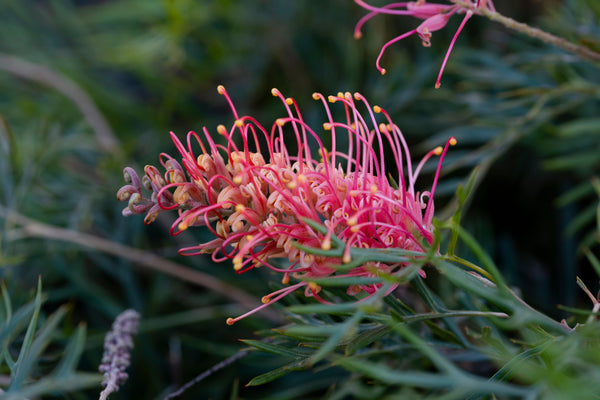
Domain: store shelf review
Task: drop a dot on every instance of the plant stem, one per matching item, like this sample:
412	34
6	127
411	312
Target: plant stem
581	51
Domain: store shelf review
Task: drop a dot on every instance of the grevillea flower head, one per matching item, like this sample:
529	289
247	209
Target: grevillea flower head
261	205
435	17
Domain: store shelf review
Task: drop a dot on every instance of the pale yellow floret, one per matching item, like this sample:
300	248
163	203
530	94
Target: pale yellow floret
237	263
438	150
221	89
221	130
326	245
377	109
237	179
289	101
352	221
301	179
355	229
292	185
240	208
346	258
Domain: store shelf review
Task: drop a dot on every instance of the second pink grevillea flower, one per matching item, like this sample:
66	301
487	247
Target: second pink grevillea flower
435	16
260	204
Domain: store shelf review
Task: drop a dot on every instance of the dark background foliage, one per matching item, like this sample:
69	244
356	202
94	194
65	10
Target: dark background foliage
524	112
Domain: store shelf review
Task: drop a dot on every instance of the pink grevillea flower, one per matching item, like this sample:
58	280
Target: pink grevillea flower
260	205
435	17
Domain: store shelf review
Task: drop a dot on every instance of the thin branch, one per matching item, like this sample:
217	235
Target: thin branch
47	77
143	258
582	51
207	373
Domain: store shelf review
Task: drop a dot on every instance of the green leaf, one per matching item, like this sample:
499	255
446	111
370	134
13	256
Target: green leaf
273	348
22	368
278	373
366	337
70	359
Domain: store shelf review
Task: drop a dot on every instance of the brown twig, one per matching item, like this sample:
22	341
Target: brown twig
582	51
143	258
47	77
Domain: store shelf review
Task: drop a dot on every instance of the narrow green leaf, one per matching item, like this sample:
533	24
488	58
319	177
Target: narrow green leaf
22	371
29	356
273	348
366	337
277	373
345	329
69	361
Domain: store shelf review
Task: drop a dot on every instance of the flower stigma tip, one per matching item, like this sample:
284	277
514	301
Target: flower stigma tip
221	89
289	101
374	189
237	179
240	208
452	141
265	299
286	279
438	150
315	96
275	92
301	178
239	123
382	71
230	321
327	126
221	130
377	109
280	121
333	99
326	245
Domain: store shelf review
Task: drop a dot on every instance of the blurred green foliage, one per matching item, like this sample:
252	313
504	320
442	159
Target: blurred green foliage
525	114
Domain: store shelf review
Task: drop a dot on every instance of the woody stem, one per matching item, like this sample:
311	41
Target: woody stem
581	51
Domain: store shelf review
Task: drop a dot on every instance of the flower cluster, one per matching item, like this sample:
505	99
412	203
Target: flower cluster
117	347
263	205
435	17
